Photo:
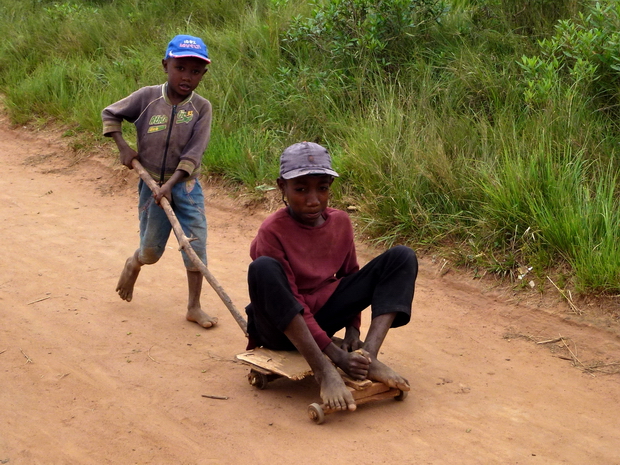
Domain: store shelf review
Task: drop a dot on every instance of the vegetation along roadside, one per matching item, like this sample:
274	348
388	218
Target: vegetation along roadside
486	130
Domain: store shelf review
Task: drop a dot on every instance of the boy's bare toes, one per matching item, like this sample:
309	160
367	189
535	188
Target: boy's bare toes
128	279
334	393
124	294
342	403
200	317
402	384
380	372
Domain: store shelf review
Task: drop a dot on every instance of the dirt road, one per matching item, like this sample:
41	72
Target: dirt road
87	378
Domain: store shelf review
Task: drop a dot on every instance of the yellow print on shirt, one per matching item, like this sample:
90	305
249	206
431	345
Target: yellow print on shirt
157	123
185	116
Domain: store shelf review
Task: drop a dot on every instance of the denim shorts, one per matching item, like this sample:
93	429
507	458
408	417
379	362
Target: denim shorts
189	207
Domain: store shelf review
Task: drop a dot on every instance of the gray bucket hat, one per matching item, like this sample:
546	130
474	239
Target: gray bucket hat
305	158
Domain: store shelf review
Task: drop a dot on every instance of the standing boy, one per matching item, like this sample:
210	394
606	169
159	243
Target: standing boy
305	283
173	128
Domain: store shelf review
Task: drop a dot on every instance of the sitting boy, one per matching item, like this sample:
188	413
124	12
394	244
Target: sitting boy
305	283
173	127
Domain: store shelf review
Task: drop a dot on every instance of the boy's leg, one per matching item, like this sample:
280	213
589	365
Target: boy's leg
188	205
154	232
387	283
194	310
129	275
378	371
334	392
275	321
273	306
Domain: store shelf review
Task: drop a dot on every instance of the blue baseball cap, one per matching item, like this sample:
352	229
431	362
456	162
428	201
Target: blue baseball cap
183	46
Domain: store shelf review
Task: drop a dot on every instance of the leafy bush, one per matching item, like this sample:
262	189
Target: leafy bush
583	55
535	17
350	32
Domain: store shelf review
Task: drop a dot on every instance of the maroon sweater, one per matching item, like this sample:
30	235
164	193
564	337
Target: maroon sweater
314	259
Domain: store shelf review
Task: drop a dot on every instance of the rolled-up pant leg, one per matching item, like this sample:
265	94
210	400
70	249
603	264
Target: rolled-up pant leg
273	305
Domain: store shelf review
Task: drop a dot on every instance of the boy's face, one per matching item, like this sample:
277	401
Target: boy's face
307	197
184	75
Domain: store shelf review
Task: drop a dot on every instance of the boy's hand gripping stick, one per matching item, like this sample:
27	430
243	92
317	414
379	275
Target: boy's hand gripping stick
185	245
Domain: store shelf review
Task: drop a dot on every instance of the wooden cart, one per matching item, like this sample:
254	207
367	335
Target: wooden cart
267	365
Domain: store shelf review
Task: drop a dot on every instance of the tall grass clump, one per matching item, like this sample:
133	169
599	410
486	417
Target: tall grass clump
553	204
403	181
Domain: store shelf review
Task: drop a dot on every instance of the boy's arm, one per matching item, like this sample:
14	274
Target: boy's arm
191	157
354	364
351	341
126	152
267	243
126	109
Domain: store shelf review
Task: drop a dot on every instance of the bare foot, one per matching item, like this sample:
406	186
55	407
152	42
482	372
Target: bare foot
334	393
128	278
200	317
384	374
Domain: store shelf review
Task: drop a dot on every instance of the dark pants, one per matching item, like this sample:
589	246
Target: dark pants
386	284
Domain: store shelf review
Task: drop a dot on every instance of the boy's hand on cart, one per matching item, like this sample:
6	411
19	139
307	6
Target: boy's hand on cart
351	341
360	364
356	364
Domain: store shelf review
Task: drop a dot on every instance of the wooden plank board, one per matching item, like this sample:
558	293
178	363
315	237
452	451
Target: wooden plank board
355	384
290	364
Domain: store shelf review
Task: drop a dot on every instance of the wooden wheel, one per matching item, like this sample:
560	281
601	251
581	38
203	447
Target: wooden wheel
257	379
402	395
316	414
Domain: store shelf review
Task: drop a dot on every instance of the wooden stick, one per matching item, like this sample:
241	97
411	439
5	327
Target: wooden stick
184	242
609	365
149	354
39	300
568	299
28	359
596	367
575	359
550	341
215	397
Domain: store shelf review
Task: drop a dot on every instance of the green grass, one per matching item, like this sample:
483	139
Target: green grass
435	138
